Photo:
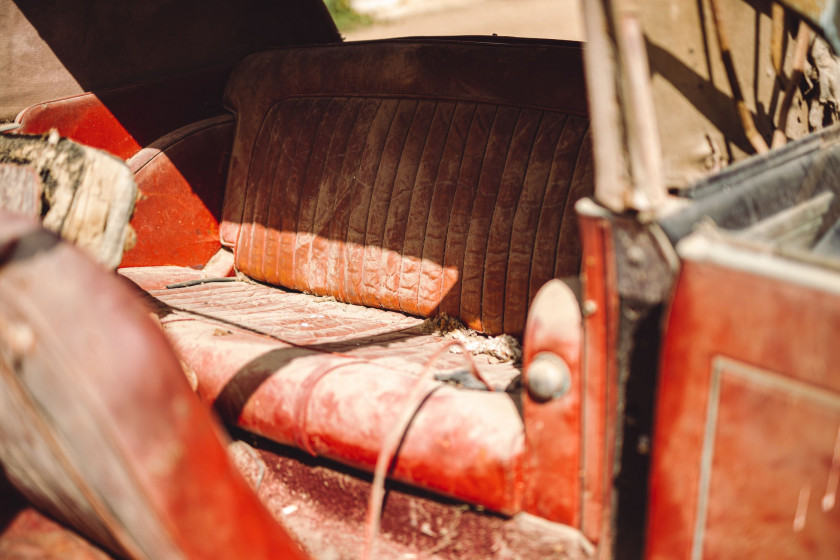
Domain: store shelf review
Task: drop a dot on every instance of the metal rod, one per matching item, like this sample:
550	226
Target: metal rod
777	37
612	174
744	114
803	40
628	155
642	138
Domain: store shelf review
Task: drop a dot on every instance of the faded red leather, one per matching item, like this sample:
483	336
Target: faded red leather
331	378
389	339
181	179
416	177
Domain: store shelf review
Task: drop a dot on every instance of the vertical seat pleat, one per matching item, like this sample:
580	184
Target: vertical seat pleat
263	248
501	225
279	170
489	182
420	207
347	197
291	177
251	234
381	200
397	213
326	207
363	183
478	136
568	253
433	287
311	192
548	226
523	233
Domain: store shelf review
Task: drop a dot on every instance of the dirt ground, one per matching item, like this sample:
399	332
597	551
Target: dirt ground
555	19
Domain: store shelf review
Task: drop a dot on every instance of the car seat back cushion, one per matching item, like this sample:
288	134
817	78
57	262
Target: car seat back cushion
422	177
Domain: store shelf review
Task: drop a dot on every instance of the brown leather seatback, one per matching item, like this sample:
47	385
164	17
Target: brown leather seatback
412	176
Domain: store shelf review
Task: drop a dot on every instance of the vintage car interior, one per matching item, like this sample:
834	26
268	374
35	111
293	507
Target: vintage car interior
265	293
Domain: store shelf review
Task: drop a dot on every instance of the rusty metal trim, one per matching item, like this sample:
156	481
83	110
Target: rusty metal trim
713	247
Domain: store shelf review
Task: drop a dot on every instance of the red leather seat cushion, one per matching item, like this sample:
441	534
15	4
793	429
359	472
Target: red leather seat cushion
395	341
331	377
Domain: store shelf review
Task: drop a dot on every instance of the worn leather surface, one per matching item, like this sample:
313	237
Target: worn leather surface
330	378
146	278
383	176
181	179
387	338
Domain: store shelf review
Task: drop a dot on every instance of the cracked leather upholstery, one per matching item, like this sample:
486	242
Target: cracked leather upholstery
392	340
415	177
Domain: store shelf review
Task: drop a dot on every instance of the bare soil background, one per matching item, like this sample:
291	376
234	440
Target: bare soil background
552	19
